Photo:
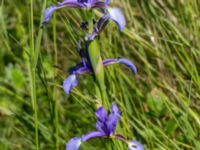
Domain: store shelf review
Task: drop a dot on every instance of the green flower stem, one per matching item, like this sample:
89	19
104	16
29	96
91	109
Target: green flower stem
97	65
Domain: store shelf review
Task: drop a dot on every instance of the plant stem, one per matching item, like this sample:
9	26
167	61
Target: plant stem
55	96
32	75
97	64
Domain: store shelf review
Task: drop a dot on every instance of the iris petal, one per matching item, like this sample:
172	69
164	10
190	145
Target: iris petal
67	3
124	61
74	4
129	64
113	118
48	14
101	114
92	135
135	145
101	126
73	144
70	82
117	16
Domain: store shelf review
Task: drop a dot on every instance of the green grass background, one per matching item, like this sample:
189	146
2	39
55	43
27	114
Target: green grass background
160	105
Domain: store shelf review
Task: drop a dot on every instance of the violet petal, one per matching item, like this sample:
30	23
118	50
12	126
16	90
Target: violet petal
73	144
70	82
92	135
124	61
135	145
113	118
117	16
101	114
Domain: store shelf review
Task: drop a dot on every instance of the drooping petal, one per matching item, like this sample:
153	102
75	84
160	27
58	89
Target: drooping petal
117	16
74	144
124	61
135	145
66	3
70	82
110	61
92	135
113	118
48	14
129	64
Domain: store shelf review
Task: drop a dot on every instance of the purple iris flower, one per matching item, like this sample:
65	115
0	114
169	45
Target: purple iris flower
72	80
113	14
105	125
74	4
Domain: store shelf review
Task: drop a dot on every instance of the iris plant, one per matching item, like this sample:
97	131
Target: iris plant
106	123
105	128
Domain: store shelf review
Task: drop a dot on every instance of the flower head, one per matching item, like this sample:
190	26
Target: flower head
84	67
74	4
105	126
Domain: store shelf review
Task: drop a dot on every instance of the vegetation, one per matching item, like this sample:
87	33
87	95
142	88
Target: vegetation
160	105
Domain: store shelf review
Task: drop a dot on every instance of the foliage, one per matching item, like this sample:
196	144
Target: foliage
160	105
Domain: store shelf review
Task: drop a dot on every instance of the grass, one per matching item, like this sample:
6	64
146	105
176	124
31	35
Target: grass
160	104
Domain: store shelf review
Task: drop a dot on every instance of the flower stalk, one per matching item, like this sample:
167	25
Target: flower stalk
97	66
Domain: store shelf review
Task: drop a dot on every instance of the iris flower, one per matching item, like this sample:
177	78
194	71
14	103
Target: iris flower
105	128
74	4
109	13
72	80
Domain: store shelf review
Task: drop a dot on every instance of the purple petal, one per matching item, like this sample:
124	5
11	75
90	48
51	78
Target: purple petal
135	145
124	61
101	114
48	14
103	21
92	135
113	118
69	83
83	70
110	61
73	144
66	3
117	16
102	127
129	64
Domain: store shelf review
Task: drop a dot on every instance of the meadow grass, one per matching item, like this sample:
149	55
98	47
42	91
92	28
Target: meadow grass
160	105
